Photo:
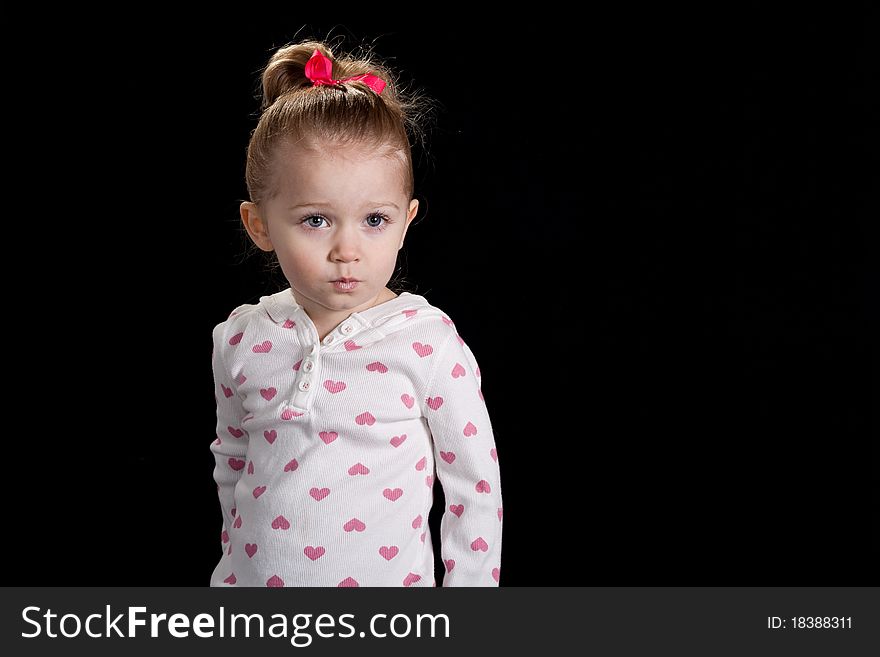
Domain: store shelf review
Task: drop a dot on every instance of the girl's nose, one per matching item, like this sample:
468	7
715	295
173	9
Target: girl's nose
345	247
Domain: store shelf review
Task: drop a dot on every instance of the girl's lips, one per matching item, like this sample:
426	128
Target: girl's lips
343	285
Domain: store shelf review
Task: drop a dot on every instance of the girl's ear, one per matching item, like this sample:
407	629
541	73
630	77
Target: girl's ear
410	215
255	225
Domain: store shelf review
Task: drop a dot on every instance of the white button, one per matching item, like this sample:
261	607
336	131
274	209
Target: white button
328	339
308	366
304	384
346	328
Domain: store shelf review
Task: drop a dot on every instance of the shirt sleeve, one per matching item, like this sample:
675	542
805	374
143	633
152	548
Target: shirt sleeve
230	446
467	467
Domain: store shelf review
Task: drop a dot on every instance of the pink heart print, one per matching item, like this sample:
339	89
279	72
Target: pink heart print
457	371
231	579
268	393
365	418
354	525
494	454
457	509
236	464
435	402
263	348
259	490
251	549
240	379
251	467
224	536
280	522
483	486
449	457
500	513
447	321
289	414
358	469
297	364
410	313
417	522
348	582
479	545
450	564
314	553
334	386
389	551
496	574
270	435
411	579
227	392
407	400
235	433
319	493
393	495
422	463
275	582
288	323
351	345
470	429
422	349
237	523
397	441
235	339
429	481
328	436
291	466
377	367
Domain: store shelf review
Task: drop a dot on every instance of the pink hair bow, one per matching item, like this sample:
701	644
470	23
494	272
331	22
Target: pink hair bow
319	69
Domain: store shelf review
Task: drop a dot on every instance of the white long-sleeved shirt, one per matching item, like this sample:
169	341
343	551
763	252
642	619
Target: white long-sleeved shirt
326	452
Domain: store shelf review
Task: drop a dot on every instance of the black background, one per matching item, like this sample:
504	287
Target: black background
649	226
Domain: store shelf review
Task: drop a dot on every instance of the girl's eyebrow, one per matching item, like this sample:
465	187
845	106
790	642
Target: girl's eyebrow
371	204
385	204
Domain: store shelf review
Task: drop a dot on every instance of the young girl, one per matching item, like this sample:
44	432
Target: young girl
339	401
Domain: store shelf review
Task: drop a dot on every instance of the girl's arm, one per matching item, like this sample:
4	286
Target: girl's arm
467	467
230	446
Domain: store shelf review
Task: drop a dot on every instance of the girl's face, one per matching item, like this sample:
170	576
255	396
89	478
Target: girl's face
337	213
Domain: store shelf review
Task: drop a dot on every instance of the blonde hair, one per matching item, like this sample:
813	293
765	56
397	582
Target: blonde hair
295	109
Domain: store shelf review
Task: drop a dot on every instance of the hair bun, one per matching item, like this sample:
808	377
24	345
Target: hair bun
286	70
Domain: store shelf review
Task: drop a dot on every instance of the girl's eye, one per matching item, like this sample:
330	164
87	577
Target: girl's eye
314	221
378	219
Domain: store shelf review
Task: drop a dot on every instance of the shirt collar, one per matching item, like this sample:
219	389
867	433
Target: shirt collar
282	307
